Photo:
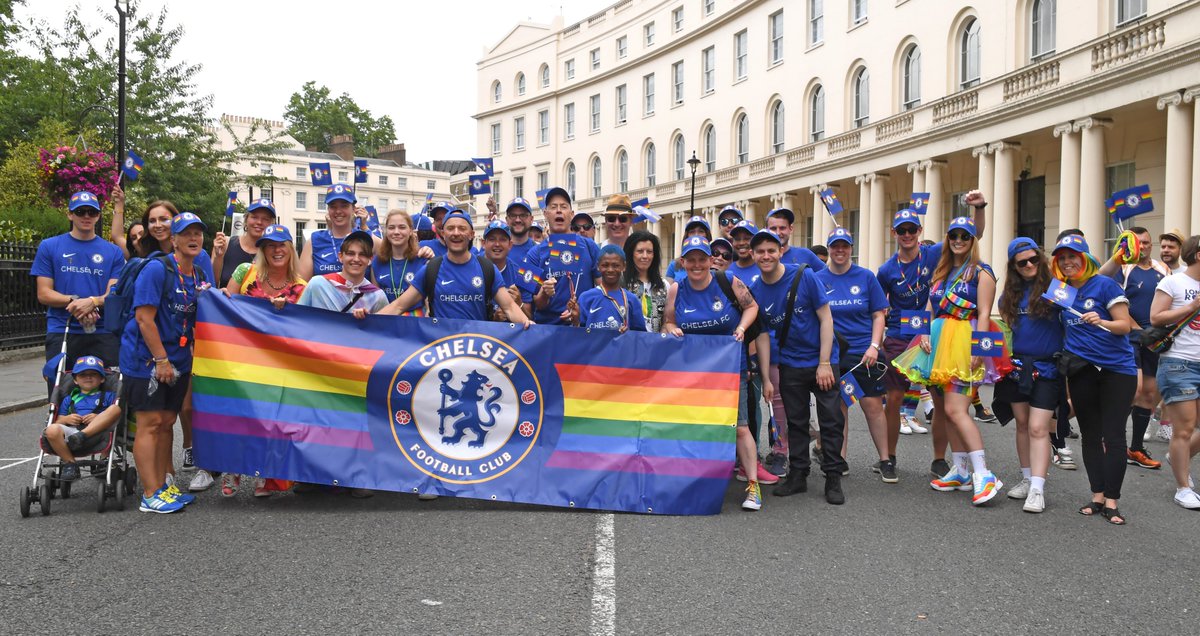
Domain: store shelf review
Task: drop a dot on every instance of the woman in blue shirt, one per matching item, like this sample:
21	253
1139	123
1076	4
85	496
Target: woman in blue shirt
1035	388
395	264
697	305
1100	369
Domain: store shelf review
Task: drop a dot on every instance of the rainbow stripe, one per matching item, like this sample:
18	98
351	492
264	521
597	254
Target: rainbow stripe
662	423
281	389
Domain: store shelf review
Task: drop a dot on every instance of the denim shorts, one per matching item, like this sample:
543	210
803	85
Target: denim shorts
1178	379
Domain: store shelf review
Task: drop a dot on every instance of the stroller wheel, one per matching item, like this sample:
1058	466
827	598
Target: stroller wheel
65	489
26	499
119	494
44	498
101	496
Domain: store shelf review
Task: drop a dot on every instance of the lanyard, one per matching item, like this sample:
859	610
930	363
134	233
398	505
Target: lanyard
623	314
391	272
183	339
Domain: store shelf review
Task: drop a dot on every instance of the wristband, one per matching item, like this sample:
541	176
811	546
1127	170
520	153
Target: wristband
877	347
160	360
980	207
825	364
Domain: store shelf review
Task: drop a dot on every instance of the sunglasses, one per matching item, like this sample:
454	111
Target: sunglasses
582	228
1032	260
89	212
902	231
725	254
616	218
959	236
728	221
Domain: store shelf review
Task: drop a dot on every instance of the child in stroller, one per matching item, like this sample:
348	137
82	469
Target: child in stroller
86	412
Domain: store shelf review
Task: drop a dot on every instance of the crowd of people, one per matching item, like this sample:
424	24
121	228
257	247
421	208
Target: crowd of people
807	318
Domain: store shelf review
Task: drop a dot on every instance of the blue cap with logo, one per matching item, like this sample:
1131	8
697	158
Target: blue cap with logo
83	200
557	191
1021	244
184	220
839	234
421	223
964	223
457	214
536	225
765	235
697	220
730	209
340	192
584	215
519	202
1073	242
906	216
276	234
441	205
746	226
262	204
497	226
723	241
696	243
783	213
88	363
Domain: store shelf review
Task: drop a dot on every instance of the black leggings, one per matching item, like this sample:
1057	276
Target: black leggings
1101	399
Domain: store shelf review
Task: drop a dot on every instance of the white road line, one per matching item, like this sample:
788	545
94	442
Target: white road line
604	579
27	459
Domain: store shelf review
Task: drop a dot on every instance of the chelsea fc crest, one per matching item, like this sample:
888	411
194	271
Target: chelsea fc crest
567	257
465	409
718	305
1089	304
477	281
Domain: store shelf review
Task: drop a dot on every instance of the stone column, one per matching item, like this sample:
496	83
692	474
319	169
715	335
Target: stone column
1193	95
820	217
672	250
1068	180
601	229
1002	209
862	234
750	212
878	221
934	228
918	176
987	185
1092	213
1178	195
789	201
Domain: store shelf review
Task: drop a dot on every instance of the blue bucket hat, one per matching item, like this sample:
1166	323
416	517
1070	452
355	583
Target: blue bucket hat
1020	244
964	223
262	204
744	225
906	216
1074	242
184	220
275	234
695	243
519	202
340	192
497	225
88	363
764	235
839	234
83	199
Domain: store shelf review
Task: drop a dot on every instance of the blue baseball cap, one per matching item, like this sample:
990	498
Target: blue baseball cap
421	223
1074	242
724	242
696	243
730	208
536	225
441	205
88	363
184	220
519	202
784	213
340	192
765	235
906	215
584	215
263	204
1020	244
557	191
83	199
457	214
697	220
358	235
839	234
497	225
276	234
744	225
964	223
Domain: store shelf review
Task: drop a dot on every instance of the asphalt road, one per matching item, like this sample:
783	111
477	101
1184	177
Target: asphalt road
895	559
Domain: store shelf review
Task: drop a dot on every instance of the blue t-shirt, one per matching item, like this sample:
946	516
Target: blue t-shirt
519	252
458	291
78	268
1090	342
802	256
965	289
1037	337
707	311
907	284
176	318
675	274
1139	291
583	275
204	264
439	248
598	311
508	278
854	297
396	275
86	403
747	274
325	250
803	346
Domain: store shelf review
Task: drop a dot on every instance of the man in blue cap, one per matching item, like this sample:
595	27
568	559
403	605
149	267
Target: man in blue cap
564	279
74	272
519	216
322	252
744	266
497	247
781	221
537	234
226	255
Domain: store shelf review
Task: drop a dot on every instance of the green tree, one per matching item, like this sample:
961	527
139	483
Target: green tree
314	118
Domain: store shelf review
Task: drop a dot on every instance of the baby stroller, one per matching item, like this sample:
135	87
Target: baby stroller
106	456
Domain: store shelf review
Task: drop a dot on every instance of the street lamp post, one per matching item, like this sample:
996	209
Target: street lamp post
693	163
120	154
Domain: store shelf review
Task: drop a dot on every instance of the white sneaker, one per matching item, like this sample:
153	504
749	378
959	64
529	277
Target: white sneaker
1020	491
1187	498
906	424
202	481
917	428
1066	450
1164	432
1035	502
1151	430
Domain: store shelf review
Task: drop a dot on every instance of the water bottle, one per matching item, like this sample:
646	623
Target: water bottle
90	326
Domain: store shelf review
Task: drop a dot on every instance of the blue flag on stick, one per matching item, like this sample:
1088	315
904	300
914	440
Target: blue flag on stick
541	198
1061	294
132	166
850	389
232	202
319	173
914	323
830	199
485	165
360	170
373	221
480	184
529	278
988	344
1130	202
919	202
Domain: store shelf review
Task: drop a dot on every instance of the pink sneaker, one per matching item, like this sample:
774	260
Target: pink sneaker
766	477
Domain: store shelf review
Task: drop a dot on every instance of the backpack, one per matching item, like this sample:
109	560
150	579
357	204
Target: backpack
118	305
435	265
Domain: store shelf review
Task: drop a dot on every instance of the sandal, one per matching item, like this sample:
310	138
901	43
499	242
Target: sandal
1092	509
229	484
1113	516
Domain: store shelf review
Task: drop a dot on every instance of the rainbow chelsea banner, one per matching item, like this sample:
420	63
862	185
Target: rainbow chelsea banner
558	416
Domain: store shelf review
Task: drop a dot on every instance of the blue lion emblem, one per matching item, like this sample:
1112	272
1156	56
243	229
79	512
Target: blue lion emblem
465	408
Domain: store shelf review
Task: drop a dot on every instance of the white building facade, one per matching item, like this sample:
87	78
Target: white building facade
1045	105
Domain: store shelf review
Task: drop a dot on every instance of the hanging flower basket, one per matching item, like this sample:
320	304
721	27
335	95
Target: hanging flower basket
66	170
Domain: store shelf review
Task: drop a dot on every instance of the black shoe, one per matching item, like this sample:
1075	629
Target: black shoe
833	489
76	440
939	468
70	472
877	467
796	482
777	464
887	472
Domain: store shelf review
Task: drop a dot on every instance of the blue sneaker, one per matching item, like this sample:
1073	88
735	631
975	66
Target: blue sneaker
161	502
179	495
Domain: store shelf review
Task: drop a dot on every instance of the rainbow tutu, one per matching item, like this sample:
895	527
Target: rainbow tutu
950	359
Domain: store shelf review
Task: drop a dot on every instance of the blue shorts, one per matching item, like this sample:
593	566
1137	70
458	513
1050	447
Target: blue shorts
1178	380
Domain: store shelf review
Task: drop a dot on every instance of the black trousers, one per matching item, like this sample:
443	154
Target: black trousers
1102	400
795	386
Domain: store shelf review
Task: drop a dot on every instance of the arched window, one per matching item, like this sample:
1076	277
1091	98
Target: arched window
1041	28
710	148
777	128
969	54
596	183
496	92
862	98
678	158
571	179
910	83
545	75
816	114
651	172
743	138
623	171
520	84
